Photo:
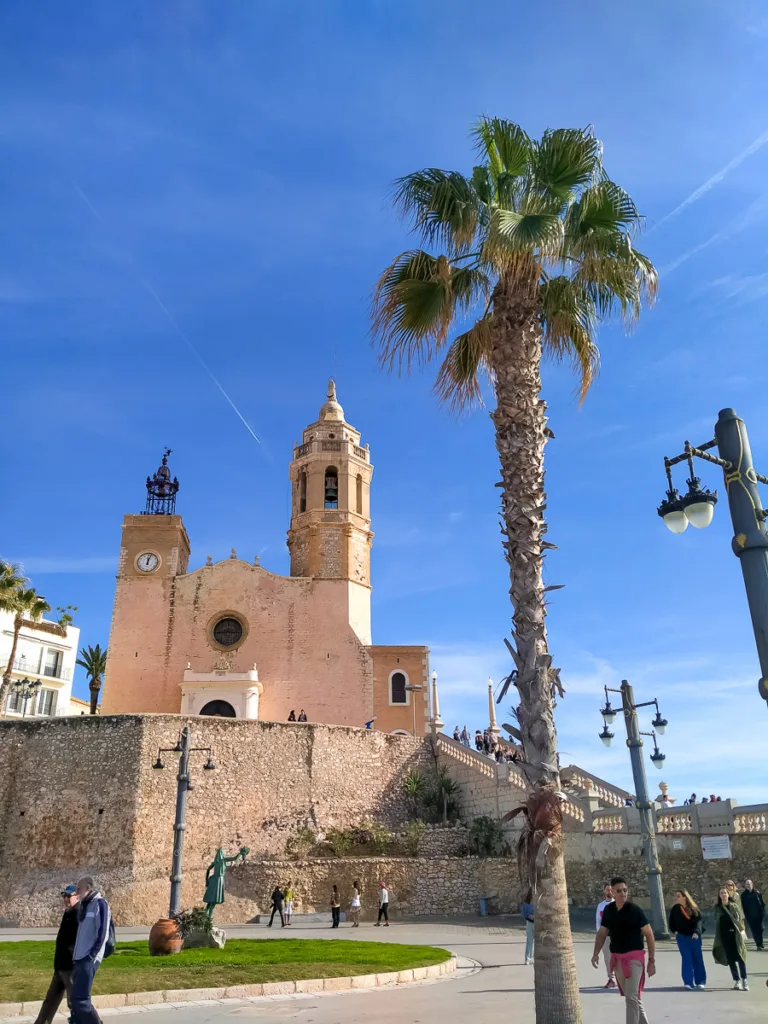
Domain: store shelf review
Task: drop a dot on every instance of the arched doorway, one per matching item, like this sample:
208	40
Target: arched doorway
219	709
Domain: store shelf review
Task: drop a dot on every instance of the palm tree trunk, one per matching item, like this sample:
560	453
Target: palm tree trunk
11	658
520	422
94	686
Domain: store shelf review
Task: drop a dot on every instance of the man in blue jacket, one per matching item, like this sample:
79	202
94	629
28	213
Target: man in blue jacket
92	934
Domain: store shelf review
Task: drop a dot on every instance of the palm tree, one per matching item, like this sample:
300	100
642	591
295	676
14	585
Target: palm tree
24	603
533	251
94	661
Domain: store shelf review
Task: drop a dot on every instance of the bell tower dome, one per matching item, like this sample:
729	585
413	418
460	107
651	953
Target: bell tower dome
330	533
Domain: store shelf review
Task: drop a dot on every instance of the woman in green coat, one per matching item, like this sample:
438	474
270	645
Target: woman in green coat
730	945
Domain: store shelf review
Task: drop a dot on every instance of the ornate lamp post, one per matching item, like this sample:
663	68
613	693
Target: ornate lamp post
182	750
644	805
750	541
25	689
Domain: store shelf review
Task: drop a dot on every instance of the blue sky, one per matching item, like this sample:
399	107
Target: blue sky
234	160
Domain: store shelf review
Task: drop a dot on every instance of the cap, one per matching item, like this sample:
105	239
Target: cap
69	890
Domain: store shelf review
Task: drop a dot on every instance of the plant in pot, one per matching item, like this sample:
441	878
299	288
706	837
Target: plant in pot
196	929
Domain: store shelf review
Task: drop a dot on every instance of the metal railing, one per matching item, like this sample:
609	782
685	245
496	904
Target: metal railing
47	671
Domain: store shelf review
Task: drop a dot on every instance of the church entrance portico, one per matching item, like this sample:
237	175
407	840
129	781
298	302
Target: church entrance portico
202	693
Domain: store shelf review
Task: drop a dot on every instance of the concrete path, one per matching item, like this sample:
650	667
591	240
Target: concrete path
501	990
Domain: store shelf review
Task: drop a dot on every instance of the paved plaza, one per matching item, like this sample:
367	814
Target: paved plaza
492	984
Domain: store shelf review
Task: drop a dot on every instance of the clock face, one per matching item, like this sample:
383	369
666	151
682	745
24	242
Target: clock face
147	562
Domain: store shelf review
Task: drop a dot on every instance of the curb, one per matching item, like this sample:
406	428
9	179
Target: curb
271	988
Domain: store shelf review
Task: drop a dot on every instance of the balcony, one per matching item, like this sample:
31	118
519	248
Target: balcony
323	445
46	672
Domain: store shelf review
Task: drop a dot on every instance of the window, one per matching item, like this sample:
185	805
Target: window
228	631
397	688
52	664
46	702
359	495
302	491
331	487
14	700
218	709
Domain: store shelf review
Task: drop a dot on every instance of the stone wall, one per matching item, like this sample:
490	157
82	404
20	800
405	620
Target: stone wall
80	795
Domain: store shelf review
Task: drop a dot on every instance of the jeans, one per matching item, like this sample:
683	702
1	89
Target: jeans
693	970
335	916
738	968
83	1010
529	933
630	989
384	912
756	927
60	983
277	908
607	961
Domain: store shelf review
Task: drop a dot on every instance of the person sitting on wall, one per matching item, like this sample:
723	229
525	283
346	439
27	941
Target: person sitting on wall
292	716
302	716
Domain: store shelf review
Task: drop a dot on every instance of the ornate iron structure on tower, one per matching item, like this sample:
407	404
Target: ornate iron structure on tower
161	490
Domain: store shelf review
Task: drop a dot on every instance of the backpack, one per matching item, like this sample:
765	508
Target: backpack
109	948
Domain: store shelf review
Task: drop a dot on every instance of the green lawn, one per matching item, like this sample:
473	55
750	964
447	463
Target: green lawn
26	967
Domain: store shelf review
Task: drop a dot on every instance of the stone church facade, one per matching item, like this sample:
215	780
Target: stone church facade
235	640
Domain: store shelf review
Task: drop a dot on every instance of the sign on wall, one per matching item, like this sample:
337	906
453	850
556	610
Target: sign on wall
677	844
716	847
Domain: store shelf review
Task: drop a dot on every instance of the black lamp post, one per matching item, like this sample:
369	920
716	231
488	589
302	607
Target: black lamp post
26	689
750	540
181	750
643	802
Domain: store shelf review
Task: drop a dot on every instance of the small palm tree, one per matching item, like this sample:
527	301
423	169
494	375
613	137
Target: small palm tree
414	785
94	661
23	603
534	250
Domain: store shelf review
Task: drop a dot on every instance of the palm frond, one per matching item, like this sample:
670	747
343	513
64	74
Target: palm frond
565	160
442	205
604	206
618	277
569	324
468	356
416	302
528	232
505	146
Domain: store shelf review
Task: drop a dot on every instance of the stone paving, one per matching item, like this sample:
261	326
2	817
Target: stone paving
491	983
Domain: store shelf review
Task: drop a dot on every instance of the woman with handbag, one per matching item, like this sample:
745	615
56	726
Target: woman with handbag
686	925
730	945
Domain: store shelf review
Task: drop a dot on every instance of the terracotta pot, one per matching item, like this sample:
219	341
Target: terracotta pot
164	938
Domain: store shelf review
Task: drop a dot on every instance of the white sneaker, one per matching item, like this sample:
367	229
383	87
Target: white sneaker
744	985
737	986
529	962
689	987
702	987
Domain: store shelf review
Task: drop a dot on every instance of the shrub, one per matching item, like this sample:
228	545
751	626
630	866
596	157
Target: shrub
301	843
414	787
381	838
441	796
194	920
340	840
413	836
487	836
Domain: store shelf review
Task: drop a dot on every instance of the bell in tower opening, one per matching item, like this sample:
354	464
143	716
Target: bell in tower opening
161	490
331	487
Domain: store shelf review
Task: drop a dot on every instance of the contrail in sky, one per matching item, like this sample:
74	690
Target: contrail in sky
166	313
753	147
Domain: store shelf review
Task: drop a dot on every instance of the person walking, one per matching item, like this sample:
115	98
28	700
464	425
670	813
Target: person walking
753	905
288	907
629	931
686	925
93	919
277	906
730	945
527	910
465	737
335	907
354	907
61	983
607	898
383	906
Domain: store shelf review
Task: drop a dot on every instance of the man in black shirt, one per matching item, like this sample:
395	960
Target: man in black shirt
62	958
754	911
629	931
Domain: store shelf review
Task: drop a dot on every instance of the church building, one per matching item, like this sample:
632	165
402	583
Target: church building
236	640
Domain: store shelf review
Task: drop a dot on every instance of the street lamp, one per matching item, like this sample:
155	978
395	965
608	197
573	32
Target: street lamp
643	803
181	750
25	689
750	540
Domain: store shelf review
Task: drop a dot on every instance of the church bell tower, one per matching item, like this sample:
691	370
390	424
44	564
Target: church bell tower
330	533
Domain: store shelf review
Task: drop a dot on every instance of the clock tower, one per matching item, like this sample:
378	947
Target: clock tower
154	552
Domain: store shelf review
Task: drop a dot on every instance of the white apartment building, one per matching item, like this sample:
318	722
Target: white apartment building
46	653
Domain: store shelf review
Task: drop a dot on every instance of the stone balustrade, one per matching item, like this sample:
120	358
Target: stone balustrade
751	819
591	785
